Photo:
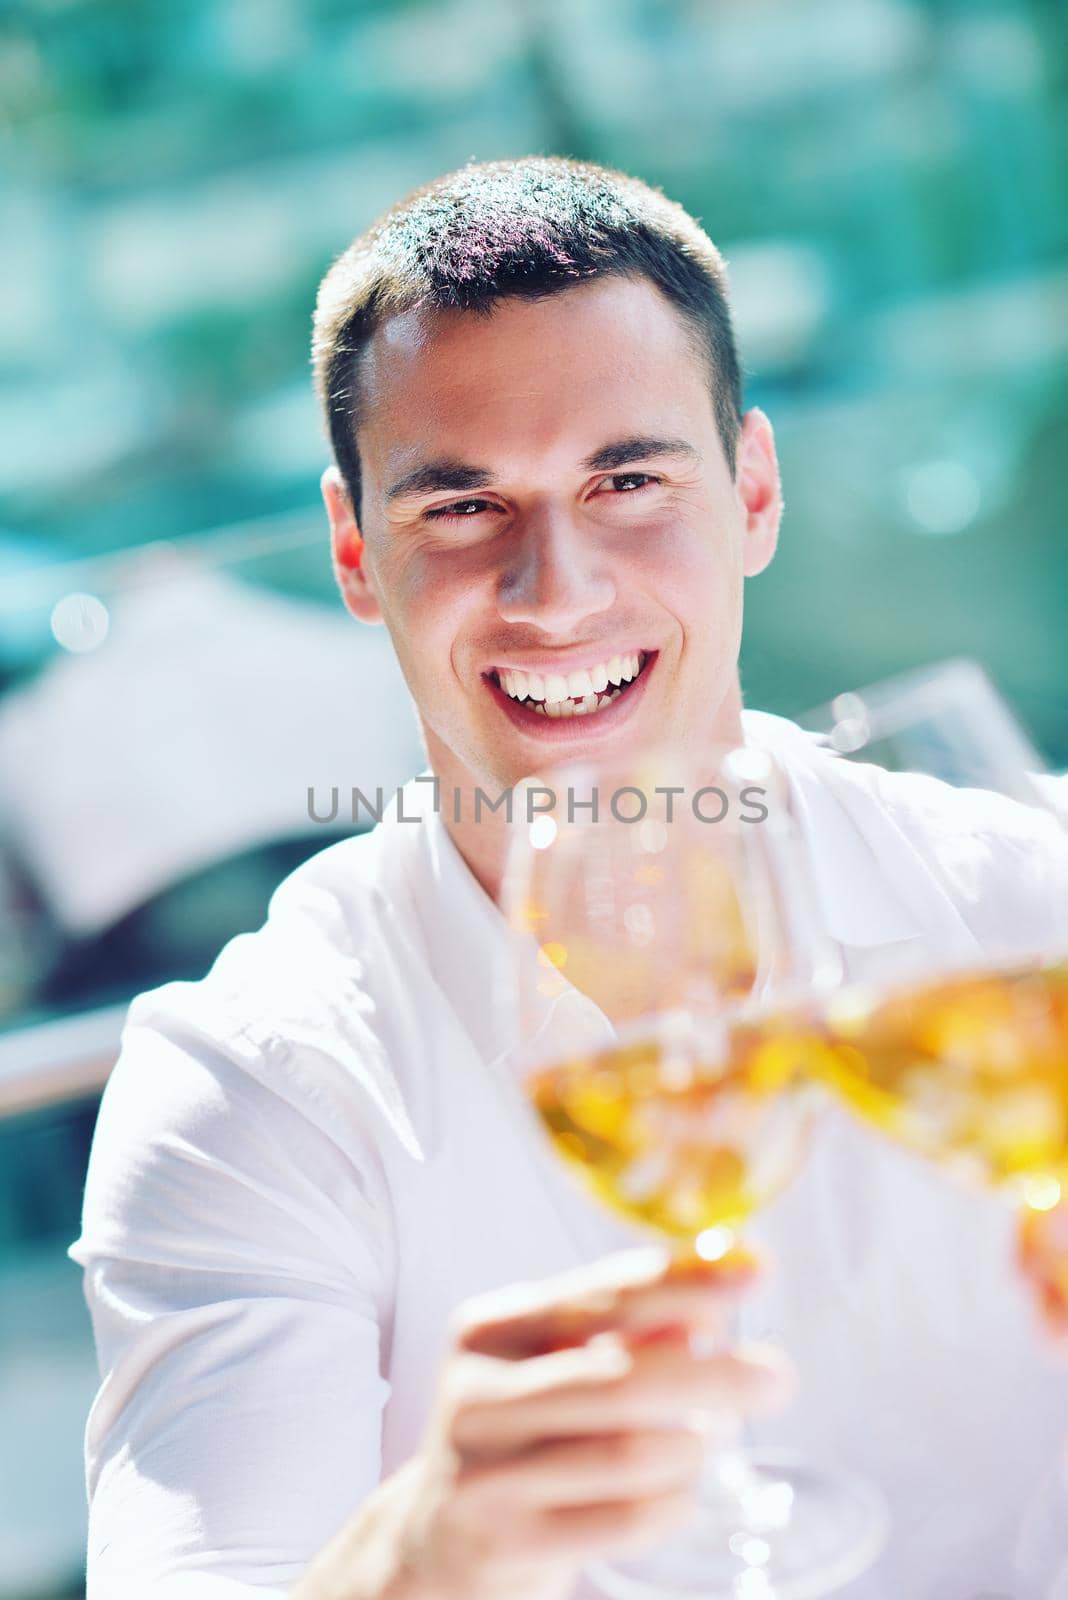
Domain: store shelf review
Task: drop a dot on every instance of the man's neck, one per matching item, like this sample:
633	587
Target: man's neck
483	836
484	844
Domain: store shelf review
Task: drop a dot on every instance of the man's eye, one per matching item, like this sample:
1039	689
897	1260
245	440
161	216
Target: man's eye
629	482
458	508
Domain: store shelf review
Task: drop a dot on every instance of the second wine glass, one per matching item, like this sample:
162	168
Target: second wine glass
961	1051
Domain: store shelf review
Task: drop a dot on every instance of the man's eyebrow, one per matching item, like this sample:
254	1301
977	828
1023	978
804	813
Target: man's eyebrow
639	448
433	476
457	477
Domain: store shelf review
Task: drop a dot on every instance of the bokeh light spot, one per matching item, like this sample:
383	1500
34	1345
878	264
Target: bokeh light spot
80	622
1042	1193
712	1244
542	833
942	496
652	835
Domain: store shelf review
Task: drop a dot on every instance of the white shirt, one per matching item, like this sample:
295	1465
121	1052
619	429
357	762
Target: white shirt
306	1161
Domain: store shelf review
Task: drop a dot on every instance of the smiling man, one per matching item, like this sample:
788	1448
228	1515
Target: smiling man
361	1339
545	486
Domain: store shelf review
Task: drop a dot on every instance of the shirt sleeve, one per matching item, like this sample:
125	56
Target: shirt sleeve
234	1266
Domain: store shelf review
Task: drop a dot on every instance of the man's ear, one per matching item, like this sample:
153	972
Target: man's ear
357	589
759	489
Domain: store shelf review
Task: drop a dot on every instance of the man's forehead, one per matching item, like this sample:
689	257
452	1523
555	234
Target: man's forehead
569	364
631	310
405	334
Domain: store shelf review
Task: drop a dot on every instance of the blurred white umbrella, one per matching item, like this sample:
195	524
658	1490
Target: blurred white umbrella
194	731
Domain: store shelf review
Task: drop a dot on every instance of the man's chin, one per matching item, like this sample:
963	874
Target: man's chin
609	754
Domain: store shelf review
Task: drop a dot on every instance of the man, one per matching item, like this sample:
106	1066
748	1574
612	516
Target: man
313	1168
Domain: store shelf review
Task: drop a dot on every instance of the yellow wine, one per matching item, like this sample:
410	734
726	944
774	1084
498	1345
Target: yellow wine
972	1067
676	1144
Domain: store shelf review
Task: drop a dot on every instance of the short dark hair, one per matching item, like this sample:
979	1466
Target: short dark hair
526	228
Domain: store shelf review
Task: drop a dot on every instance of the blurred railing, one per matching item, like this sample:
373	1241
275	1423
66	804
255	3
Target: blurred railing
64	1059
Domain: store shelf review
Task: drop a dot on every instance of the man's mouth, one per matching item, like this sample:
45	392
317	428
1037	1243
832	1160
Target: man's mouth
587	692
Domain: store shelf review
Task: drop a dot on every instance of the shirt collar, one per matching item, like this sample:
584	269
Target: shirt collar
870	853
856	904
462	933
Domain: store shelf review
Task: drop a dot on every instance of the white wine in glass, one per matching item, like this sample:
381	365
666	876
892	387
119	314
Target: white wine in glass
666	969
962	1054
971	1068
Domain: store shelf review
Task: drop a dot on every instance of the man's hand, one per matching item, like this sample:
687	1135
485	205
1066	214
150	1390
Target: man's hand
1042	1250
563	1430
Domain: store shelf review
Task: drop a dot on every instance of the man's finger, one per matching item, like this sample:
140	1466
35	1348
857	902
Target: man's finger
1042	1254
621	1527
633	1292
604	1387
587	1470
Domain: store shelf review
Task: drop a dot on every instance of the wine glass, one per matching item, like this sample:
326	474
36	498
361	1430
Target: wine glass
666	964
963	1054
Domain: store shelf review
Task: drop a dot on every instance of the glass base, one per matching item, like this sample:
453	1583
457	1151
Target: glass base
768	1527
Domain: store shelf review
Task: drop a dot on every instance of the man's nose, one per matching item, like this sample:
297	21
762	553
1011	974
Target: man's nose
555	577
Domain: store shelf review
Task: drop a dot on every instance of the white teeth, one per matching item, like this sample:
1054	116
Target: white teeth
579	685
578	692
568	708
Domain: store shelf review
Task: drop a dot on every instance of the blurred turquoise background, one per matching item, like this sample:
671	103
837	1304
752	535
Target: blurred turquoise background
888	181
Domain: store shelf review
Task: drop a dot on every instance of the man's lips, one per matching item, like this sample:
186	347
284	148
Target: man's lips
569	728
